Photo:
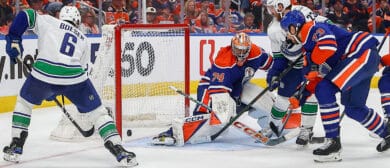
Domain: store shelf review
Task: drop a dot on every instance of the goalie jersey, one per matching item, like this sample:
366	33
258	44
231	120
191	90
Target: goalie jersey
63	53
226	76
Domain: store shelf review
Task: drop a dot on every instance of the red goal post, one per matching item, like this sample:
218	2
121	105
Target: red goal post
162	47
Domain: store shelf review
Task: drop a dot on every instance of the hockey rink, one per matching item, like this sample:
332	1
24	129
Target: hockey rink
234	150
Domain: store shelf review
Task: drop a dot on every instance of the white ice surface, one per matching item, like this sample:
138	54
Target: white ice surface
235	150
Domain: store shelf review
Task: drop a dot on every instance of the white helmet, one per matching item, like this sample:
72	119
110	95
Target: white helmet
284	3
71	14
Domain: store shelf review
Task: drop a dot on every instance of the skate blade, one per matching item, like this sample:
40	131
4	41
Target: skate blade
12	158
333	157
131	163
373	135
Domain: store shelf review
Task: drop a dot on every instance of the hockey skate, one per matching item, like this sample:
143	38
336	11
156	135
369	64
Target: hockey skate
329	152
304	136
165	138
385	143
13	152
123	156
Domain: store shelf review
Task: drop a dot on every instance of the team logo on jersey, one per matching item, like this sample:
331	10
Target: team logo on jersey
91	97
319	33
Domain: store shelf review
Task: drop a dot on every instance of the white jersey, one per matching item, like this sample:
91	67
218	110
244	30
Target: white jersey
277	35
63	50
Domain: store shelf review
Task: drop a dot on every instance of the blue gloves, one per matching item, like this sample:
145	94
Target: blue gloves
14	47
272	81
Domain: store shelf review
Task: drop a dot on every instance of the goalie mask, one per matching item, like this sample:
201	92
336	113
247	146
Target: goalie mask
241	46
70	14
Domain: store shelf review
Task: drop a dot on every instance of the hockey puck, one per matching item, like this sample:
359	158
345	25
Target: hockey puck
129	132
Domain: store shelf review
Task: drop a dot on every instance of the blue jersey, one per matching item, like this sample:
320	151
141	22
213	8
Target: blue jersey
226	76
328	43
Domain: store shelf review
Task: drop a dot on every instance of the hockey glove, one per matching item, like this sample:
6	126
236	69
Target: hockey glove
14	47
272	79
385	60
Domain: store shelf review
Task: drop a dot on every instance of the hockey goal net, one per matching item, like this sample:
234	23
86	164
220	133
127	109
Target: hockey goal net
150	58
132	72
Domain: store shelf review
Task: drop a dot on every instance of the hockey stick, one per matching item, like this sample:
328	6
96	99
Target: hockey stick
284	72
87	133
258	136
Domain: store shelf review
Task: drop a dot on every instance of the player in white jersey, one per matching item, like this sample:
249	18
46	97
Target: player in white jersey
59	70
284	53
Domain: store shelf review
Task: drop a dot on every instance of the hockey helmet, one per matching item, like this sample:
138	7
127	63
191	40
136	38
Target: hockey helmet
70	14
241	45
292	22
281	5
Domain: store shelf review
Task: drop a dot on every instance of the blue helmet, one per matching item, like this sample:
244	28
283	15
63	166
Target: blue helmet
294	18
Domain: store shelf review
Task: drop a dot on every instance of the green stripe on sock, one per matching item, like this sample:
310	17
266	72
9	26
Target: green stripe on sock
107	130
277	113
310	108
22	121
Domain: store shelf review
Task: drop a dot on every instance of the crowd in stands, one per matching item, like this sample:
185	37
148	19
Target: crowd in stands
203	16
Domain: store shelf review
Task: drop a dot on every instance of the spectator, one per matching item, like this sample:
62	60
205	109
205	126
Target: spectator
358	13
384	13
310	4
207	6
190	12
7	23
116	6
203	24
5	11
132	8
151	13
37	5
116	13
88	24
248	26
338	16
53	9
226	19
165	16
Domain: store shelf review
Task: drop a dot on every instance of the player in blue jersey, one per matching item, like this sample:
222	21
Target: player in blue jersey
384	87
223	87
59	70
346	61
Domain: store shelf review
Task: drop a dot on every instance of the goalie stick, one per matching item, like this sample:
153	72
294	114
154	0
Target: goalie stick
86	133
257	136
246	108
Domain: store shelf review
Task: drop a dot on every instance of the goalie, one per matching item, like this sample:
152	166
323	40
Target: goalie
223	87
